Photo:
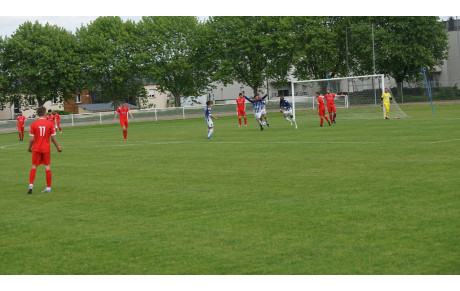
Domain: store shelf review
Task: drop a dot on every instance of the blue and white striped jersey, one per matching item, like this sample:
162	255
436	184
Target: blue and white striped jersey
259	105
207	113
285	104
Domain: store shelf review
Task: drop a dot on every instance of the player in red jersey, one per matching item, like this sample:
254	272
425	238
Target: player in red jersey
321	109
39	145
123	111
57	118
50	117
330	104
241	109
21	121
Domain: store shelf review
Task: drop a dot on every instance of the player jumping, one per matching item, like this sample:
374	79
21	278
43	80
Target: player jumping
330	104
321	109
21	121
241	109
39	145
259	109
208	117
286	108
123	111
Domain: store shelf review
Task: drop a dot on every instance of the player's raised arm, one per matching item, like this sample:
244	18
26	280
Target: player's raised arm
248	99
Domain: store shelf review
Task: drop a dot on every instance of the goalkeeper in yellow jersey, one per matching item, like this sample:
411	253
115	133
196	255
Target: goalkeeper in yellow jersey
386	97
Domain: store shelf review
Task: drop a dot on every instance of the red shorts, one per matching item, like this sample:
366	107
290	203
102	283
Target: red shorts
41	158
241	113
21	129
331	108
58	122
322	111
124	123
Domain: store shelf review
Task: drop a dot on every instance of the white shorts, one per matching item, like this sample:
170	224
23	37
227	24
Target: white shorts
258	115
287	111
264	112
209	122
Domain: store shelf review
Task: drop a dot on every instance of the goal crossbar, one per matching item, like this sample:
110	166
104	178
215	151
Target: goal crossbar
341	78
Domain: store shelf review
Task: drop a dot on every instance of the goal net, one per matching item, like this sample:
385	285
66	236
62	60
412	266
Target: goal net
356	98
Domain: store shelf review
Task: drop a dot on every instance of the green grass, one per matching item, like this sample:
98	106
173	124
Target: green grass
360	197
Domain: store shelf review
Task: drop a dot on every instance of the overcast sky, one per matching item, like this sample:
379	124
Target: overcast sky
12	13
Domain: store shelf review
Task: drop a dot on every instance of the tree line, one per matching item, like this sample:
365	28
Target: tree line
184	56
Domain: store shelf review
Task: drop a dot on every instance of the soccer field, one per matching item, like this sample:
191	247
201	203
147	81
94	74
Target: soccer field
359	197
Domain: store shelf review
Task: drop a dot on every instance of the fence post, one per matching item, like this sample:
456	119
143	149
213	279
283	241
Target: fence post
72	119
100	118
156	118
183	112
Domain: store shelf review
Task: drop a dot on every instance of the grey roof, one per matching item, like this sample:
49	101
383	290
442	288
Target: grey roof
103	106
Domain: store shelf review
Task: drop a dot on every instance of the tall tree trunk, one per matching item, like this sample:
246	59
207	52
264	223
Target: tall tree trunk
399	87
255	89
176	99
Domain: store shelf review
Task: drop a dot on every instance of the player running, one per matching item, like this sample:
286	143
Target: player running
39	145
57	118
386	97
321	109
241	109
259	109
123	111
21	121
208	117
286	108
330	104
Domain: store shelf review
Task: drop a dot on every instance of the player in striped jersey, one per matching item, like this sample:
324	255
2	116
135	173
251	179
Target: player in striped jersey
286	108
259	109
208	117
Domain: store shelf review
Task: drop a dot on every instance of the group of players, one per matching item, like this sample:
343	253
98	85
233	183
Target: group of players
45	127
258	104
52	116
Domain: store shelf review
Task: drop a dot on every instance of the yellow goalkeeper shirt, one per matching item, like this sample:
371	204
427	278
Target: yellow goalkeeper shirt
386	98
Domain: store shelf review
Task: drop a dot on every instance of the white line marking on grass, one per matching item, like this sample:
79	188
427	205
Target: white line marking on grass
441	141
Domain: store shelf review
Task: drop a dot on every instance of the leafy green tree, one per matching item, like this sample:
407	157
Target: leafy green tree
318	47
250	50
176	55
39	62
402	44
111	61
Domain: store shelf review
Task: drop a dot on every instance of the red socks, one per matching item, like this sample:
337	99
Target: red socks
326	118
239	121
322	121
125	133
32	175
48	178
333	117
245	121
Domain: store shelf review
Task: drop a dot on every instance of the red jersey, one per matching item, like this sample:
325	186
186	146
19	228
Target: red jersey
320	102
240	103
329	99
50	117
42	129
57	117
21	120
123	111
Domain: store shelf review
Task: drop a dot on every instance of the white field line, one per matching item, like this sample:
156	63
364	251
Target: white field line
104	144
441	141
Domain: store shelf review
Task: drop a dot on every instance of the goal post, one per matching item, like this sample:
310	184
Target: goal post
357	97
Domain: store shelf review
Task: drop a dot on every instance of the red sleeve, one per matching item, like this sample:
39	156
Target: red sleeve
32	129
